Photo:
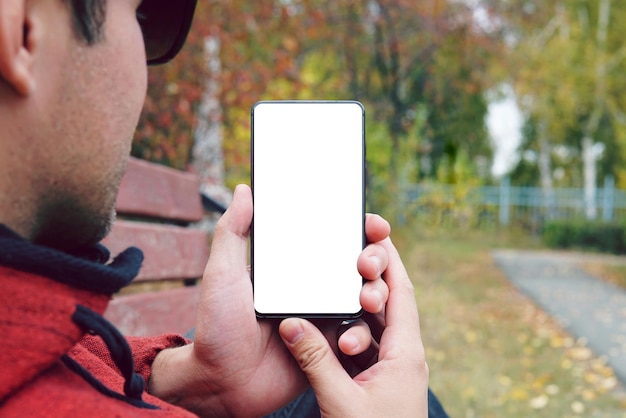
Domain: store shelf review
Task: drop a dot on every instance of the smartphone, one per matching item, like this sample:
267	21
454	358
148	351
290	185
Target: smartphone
308	185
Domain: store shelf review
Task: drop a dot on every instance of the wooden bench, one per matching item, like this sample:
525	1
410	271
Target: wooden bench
156	206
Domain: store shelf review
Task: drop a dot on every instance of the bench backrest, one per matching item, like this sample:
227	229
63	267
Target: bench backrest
156	206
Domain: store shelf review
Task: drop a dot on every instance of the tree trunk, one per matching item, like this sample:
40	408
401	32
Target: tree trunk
207	154
589	164
545	169
599	99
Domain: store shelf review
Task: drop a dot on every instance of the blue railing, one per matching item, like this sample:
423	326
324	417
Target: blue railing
510	202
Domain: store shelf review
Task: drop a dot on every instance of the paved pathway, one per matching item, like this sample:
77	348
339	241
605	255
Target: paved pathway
586	306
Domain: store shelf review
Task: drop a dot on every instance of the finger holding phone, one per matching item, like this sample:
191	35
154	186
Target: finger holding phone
395	385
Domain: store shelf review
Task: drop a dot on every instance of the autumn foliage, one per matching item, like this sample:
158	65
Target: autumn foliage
417	67
254	51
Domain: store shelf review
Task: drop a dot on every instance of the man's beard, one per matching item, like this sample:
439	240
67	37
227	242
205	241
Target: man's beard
67	224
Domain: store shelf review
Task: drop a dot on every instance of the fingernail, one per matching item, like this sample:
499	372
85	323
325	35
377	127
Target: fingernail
292	330
377	263
379	299
350	343
237	190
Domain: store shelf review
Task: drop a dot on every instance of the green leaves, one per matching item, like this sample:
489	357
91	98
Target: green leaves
566	62
417	67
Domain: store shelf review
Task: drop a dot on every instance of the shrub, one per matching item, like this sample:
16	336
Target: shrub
586	235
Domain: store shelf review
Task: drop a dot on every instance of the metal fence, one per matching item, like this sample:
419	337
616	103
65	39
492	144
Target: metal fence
505	204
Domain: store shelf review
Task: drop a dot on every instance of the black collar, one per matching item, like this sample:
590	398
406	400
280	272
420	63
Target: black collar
87	268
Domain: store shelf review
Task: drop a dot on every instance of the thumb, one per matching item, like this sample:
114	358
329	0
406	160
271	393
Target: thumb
226	287
317	360
232	230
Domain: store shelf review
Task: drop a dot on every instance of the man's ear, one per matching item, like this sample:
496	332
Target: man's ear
15	54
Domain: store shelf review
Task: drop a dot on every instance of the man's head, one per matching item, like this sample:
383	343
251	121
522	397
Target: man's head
72	85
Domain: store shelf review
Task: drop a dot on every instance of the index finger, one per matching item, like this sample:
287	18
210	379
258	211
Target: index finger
376	228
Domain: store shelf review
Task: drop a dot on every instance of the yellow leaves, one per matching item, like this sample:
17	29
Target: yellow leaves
608	383
469	393
536	391
589	395
578	407
566	364
540	383
579	353
600	366
519	394
290	43
470	337
594	371
552	390
522	338
498	355
591	377
539	402
505	381
559	341
436	355
600	376
577	384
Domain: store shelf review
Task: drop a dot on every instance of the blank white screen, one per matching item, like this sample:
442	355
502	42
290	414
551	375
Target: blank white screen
308	207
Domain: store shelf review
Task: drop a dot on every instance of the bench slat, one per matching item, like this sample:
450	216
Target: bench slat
170	252
155	313
153	190
156	204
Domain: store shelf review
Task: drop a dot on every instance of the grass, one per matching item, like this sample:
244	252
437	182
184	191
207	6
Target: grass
615	274
491	351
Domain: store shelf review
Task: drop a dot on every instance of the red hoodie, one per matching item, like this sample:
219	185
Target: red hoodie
37	330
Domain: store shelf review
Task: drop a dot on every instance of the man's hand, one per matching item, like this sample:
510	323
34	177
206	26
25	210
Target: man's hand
396	385
237	365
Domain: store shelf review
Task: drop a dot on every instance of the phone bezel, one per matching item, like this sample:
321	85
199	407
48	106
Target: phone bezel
337	315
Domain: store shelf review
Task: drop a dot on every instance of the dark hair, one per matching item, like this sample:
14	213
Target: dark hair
88	17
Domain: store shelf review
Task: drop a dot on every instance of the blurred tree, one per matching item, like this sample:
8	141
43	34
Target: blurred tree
566	59
257	47
419	67
429	56
165	130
